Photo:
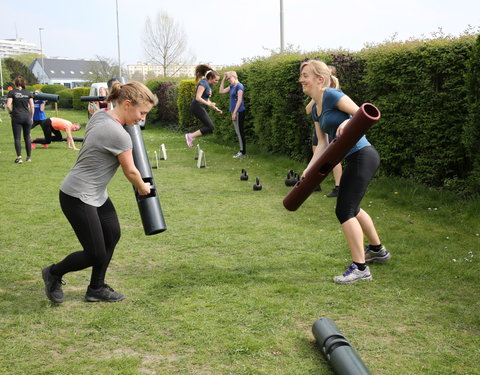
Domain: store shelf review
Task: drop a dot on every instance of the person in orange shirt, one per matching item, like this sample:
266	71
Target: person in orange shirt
55	125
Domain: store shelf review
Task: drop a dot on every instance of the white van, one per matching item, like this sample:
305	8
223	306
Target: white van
95	91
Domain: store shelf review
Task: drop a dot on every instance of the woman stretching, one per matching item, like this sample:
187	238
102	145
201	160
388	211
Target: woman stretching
83	193
208	78
331	112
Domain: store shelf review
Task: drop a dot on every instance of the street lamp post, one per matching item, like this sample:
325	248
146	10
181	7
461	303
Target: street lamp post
1	73
118	42
281	27
41	51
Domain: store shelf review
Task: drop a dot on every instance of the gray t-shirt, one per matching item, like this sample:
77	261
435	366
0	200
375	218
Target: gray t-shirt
97	161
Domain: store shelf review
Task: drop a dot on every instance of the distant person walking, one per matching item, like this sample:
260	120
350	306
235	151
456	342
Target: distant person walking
237	108
21	108
206	78
83	193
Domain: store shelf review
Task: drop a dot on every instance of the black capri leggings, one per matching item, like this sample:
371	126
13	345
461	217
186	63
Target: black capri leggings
200	112
98	230
360	167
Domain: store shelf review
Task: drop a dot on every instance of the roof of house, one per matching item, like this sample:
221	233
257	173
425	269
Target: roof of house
68	69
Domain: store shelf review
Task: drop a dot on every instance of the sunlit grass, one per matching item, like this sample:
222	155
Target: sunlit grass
236	282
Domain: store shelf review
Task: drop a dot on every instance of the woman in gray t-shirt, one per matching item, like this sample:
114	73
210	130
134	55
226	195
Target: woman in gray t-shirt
83	193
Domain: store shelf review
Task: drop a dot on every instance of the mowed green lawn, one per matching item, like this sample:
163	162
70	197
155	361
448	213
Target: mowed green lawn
236	282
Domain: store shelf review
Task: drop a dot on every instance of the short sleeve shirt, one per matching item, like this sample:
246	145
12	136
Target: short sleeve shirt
20	99
331	117
206	92
38	114
234	97
105	138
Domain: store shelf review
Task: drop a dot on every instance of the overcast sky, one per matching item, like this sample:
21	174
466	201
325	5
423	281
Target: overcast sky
223	32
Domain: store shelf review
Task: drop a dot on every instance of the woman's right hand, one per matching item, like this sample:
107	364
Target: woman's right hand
144	189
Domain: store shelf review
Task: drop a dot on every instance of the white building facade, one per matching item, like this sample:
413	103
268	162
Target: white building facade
12	47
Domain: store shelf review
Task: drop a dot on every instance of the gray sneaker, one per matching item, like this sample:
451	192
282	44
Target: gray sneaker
53	285
379	256
103	294
352	275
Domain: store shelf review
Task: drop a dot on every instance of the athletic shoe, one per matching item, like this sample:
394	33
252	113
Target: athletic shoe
103	294
318	188
352	275
19	160
34	146
334	193
189	139
380	255
29	159
239	154
53	285
45	145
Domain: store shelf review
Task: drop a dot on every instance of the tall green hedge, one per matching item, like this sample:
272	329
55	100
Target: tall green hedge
427	90
420	89
186	91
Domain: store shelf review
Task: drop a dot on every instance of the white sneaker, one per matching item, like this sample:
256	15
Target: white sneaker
352	275
239	154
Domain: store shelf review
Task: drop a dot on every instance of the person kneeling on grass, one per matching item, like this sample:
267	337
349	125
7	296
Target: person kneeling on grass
54	125
83	193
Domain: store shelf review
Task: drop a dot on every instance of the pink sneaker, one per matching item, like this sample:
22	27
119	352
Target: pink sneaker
189	139
34	146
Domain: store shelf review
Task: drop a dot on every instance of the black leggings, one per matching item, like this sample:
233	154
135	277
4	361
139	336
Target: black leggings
98	230
47	132
360	167
200	112
18	124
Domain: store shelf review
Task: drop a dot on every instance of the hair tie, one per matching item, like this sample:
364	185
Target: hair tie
208	71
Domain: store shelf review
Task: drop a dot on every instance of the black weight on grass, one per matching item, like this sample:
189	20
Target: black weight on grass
257	185
244	175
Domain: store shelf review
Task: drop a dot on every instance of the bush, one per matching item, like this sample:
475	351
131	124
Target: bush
52	89
77	93
166	111
66	98
186	91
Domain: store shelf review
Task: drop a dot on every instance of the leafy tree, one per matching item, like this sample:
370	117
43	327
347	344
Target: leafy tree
16	68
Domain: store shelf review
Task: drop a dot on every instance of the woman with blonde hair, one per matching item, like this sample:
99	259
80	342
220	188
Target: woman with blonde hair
206	77
83	194
331	113
237	108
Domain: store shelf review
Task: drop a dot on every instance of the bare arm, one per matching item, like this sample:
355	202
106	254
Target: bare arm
322	145
198	98
239	103
70	142
223	90
347	105
31	108
131	172
9	105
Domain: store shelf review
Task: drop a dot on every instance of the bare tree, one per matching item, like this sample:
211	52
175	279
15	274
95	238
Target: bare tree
165	43
103	68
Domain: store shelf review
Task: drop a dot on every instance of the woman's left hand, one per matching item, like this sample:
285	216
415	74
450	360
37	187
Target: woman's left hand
234	116
341	127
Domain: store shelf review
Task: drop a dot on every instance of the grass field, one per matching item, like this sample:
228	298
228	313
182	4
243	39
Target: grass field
236	282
